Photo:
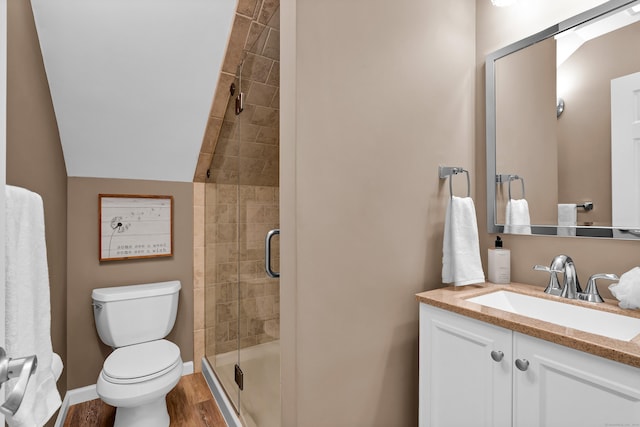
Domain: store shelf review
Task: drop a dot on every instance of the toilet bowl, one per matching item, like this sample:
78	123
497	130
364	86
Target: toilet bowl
143	368
137	386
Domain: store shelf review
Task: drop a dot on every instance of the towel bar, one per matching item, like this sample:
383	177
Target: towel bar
508	178
587	206
448	171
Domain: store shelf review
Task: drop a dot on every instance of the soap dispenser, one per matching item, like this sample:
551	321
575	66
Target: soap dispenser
499	263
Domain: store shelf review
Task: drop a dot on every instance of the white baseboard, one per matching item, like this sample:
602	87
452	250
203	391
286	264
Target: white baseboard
187	368
85	394
73	397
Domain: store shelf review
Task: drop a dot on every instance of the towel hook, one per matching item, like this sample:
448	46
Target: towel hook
448	171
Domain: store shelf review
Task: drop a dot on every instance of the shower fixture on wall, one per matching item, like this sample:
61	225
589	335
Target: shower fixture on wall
560	107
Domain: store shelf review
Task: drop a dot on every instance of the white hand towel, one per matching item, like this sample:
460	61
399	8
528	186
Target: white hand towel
461	263
627	290
28	311
517	218
567	219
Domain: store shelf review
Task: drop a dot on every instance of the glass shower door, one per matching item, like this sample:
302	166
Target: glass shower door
242	301
222	337
259	294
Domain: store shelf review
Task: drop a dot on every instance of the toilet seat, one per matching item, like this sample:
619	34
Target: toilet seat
141	362
136	393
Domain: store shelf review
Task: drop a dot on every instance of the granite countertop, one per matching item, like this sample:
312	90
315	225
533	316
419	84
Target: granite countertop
454	299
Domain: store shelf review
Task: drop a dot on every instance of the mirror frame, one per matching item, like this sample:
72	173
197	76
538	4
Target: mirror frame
490	109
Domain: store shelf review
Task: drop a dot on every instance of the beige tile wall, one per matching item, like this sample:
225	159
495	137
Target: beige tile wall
247	148
255	37
198	274
255	33
241	302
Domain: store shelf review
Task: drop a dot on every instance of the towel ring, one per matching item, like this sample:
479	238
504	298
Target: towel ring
502	178
513	178
446	171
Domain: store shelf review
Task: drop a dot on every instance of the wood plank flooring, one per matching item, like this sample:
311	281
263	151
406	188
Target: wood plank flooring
190	404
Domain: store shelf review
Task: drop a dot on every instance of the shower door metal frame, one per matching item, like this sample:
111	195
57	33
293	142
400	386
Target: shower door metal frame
239	109
3	170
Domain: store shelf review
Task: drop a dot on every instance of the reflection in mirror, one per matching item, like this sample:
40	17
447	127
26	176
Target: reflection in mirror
560	115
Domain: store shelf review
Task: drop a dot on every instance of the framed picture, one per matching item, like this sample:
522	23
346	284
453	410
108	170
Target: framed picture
135	226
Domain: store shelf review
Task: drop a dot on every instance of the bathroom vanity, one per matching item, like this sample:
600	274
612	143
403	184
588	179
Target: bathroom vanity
484	366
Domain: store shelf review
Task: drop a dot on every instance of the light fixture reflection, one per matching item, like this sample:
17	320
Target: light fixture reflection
503	3
634	10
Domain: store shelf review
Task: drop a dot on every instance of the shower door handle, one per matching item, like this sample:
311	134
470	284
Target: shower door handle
267	253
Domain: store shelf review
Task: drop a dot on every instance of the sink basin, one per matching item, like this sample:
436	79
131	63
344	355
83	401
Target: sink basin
598	322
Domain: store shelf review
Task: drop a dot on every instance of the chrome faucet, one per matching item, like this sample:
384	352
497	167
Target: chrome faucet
570	284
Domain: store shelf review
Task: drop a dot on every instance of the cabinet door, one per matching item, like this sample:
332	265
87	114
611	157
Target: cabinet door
460	384
563	387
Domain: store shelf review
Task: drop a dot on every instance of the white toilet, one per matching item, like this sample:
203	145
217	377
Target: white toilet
144	367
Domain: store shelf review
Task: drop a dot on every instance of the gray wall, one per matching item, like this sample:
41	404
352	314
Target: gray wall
34	155
374	96
35	161
85	351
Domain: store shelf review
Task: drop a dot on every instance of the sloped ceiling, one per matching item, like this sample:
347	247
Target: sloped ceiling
132	81
570	41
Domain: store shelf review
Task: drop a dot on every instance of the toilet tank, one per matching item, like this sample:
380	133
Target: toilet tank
135	314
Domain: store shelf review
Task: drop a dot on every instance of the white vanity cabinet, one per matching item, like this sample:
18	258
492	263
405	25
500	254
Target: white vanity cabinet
566	387
462	384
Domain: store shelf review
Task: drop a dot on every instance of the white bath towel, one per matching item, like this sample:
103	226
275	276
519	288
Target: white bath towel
461	263
627	290
567	219
517	218
28	311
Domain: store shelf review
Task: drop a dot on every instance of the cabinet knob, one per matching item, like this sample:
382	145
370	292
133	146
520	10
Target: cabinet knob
522	364
497	355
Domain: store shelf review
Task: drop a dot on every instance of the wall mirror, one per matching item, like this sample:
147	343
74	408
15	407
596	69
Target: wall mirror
563	128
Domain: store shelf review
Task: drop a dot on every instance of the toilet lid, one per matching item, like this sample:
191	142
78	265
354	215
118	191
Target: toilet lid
141	360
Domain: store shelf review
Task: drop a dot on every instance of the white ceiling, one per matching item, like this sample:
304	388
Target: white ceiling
570	41
132	81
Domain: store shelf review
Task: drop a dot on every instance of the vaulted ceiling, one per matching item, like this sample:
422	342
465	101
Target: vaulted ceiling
132	81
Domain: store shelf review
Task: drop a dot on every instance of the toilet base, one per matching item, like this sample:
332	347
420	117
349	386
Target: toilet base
152	414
